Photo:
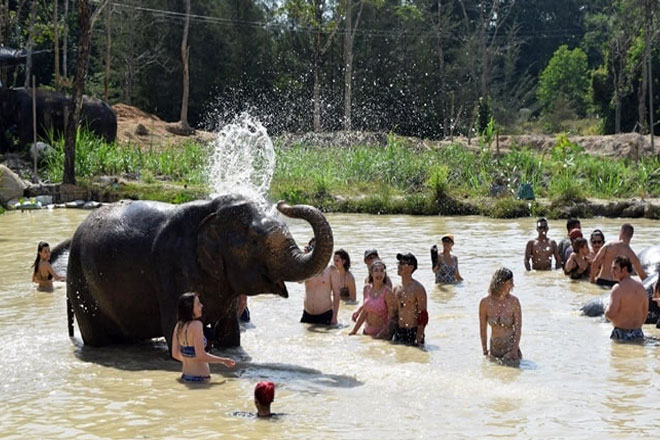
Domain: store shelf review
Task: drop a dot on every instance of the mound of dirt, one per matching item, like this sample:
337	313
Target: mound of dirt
140	128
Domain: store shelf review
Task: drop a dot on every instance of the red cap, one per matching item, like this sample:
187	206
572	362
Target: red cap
264	392
575	233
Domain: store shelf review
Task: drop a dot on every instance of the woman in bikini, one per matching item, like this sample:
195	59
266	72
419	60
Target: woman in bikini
43	272
374	309
578	264
502	312
342	262
446	266
189	343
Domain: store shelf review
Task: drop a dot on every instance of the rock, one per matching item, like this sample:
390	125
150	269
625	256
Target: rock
11	185
91	205
635	210
141	130
652	211
42	148
75	204
45	199
24	204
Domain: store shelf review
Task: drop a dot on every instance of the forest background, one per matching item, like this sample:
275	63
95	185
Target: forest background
415	67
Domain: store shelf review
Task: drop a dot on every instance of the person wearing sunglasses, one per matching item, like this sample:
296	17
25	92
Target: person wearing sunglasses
542	249
597	240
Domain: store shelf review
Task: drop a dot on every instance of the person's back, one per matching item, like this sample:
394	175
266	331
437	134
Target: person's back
633	304
629	303
601	267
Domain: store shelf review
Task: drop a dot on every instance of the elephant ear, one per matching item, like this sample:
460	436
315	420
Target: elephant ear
220	231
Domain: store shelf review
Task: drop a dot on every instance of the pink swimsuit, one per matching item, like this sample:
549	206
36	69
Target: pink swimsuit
377	306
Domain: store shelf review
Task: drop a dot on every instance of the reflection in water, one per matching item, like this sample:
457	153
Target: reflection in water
572	382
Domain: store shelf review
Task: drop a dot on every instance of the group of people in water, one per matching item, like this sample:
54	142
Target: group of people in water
399	312
608	264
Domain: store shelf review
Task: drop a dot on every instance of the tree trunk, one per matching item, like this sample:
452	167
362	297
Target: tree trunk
108	46
56	45
28	63
65	41
185	53
348	64
316	98
85	23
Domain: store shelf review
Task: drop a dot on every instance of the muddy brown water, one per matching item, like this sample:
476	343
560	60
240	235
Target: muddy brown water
574	382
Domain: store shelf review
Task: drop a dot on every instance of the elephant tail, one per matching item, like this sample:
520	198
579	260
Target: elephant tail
59	259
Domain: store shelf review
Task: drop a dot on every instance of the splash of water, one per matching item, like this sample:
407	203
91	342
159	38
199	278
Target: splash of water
243	160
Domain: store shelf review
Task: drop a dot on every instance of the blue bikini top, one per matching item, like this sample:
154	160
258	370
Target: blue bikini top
189	350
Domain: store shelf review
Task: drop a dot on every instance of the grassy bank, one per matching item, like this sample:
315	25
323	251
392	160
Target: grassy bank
395	178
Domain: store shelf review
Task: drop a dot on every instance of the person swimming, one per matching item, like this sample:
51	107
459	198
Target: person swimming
43	272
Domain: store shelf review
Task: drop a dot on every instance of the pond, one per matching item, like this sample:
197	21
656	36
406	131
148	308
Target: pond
573	381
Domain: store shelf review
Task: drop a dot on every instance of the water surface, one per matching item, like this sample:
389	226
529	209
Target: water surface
574	382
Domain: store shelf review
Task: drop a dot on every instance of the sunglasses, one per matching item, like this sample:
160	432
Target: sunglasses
404	263
596	241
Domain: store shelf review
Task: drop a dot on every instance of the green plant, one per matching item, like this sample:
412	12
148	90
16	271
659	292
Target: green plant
508	207
438	181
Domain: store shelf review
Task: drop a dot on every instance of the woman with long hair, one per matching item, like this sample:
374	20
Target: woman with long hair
342	262
578	264
189	343
44	273
502	312
374	308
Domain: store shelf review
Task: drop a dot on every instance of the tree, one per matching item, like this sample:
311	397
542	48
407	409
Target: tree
86	22
566	76
184	127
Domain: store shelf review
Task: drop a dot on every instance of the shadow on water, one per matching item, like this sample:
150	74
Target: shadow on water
154	356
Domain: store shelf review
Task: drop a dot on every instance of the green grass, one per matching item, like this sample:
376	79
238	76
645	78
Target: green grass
395	178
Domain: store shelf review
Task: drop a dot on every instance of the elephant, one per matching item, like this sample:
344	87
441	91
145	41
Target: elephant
130	261
650	260
52	111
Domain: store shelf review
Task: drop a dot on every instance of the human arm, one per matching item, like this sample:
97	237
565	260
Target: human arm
517	322
336	295
422	313
352	290
176	347
52	272
458	275
528	254
570	264
196	331
612	310
360	320
392	315
555	251
638	266
355	315
595	265
483	330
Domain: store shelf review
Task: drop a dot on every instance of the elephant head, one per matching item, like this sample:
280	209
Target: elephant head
249	252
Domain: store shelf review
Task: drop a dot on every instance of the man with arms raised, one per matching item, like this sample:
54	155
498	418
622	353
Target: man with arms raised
629	303
541	249
601	272
408	303
321	296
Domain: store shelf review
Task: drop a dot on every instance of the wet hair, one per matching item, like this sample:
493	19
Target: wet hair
501	276
40	247
344	256
572	223
622	262
627	230
264	393
597	233
185	309
371	269
541	220
579	243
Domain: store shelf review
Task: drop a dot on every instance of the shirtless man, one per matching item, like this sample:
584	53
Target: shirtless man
601	273
321	303
408	303
542	249
564	244
629	303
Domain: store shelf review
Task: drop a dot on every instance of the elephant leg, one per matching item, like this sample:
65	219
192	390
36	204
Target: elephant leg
227	328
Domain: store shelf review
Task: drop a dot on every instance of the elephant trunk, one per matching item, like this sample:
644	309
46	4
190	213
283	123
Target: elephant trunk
297	265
